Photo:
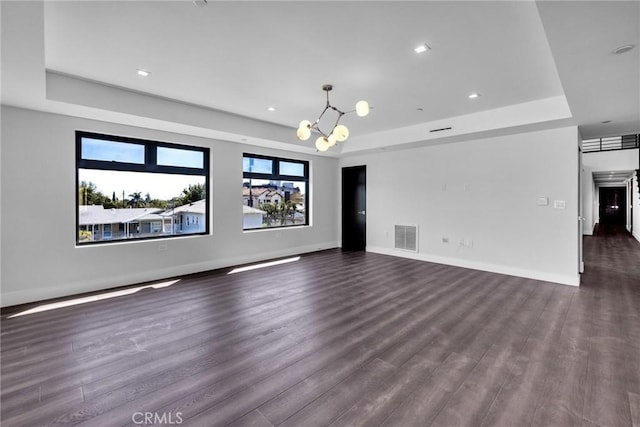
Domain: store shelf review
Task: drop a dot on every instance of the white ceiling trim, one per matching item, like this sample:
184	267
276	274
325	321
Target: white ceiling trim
534	112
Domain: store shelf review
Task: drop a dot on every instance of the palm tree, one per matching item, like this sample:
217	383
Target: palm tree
135	200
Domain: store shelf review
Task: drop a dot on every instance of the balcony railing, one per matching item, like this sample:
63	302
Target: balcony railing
624	142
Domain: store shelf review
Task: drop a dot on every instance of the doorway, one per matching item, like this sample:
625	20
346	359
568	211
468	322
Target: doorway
354	208
613	206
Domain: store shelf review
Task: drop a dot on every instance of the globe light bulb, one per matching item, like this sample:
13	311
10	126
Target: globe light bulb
341	132
322	144
303	133
362	108
304	124
332	140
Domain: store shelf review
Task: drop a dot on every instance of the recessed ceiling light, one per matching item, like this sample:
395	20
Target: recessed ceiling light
604	122
474	95
623	49
143	73
271	108
421	48
419	109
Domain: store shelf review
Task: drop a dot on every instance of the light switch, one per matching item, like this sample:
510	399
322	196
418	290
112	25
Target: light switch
542	201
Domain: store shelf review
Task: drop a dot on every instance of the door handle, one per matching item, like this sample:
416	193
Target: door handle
361	212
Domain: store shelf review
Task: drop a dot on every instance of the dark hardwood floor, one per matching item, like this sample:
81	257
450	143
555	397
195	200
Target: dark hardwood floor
339	338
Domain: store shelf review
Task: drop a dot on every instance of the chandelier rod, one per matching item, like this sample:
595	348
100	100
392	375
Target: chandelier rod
341	113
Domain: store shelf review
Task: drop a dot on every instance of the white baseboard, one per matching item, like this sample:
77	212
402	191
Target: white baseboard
475	265
44	293
636	234
588	231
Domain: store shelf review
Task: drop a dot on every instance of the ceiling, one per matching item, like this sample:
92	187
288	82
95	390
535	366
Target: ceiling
612	178
215	70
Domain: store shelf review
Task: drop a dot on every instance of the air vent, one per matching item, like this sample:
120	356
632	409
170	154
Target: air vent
440	130
406	237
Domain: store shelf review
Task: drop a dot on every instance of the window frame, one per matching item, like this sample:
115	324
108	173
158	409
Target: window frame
275	176
149	166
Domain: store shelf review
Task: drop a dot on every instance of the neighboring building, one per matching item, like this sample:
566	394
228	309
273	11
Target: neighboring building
189	218
260	195
271	193
252	217
97	223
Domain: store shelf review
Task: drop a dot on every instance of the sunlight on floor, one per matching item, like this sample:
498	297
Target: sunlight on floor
92	298
263	265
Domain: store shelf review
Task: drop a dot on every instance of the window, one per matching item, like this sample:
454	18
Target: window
107	231
275	192
132	189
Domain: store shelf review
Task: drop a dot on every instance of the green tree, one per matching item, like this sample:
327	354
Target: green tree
136	200
88	194
272	213
192	194
279	213
160	204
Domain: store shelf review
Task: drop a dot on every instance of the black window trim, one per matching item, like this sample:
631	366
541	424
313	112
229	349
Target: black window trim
148	166
275	176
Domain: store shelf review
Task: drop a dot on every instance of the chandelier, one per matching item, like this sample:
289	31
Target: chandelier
339	133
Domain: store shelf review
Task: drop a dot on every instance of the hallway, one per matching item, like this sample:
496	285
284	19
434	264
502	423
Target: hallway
610	296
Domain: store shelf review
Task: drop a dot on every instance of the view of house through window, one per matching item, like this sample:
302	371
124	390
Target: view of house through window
135	189
274	192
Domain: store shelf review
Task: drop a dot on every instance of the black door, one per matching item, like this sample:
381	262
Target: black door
613	206
354	208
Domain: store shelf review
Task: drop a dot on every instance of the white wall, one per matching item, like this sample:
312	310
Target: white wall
588	192
39	256
483	191
636	207
611	160
629	201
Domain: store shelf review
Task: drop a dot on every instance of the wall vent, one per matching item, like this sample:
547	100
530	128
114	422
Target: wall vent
406	237
440	130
